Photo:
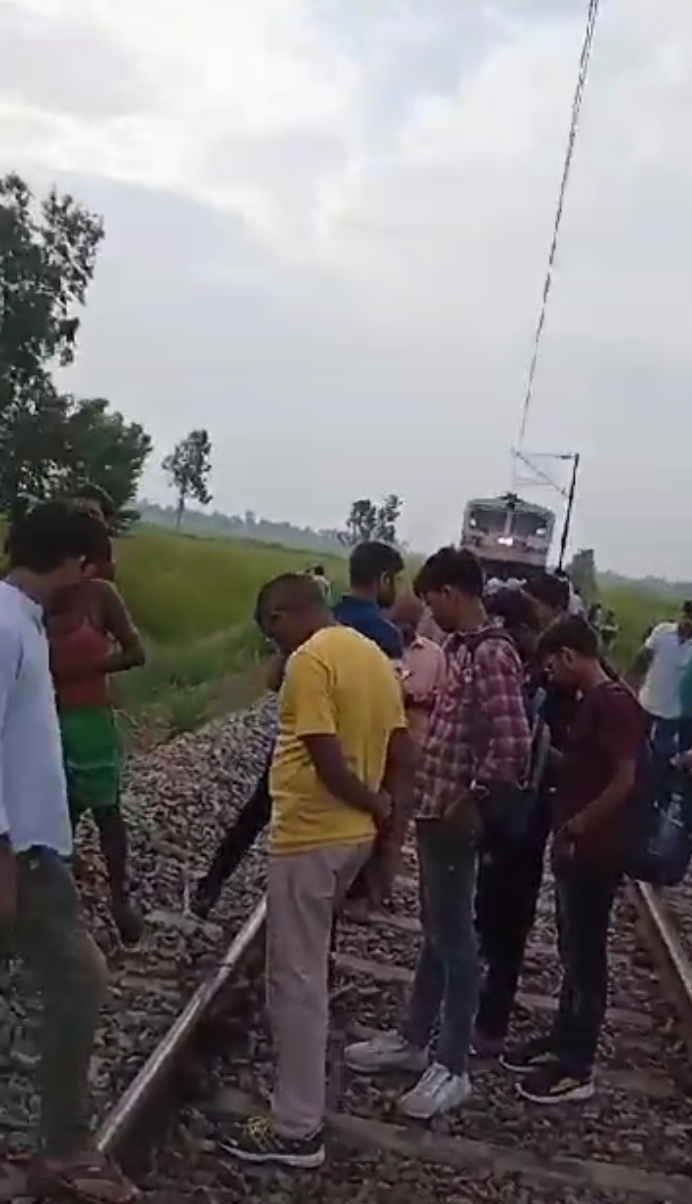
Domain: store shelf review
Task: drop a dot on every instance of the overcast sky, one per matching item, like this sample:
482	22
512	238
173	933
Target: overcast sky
327	228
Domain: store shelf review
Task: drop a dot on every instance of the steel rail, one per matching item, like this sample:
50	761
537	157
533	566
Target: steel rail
122	1126
660	934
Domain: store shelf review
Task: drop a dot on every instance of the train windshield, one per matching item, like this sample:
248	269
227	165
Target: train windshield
527	525
487	520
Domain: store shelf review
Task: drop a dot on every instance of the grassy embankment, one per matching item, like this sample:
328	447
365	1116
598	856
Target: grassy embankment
193	600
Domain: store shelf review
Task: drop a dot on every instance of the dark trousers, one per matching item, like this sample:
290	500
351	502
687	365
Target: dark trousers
446	982
670	736
509	883
251	820
585	893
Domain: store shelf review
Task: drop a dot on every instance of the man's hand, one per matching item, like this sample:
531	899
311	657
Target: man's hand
382	808
562	847
8	883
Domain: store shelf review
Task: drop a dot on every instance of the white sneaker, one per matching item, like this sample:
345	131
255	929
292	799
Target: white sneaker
437	1091
387	1051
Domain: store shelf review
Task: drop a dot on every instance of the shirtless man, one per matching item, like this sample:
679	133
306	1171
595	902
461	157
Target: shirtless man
91	636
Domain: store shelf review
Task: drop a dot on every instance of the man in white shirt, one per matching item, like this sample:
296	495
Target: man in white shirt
659	669
40	914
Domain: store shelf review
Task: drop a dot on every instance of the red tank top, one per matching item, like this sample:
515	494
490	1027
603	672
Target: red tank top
77	647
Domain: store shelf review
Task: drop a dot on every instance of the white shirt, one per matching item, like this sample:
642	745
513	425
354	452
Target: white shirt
33	794
660	693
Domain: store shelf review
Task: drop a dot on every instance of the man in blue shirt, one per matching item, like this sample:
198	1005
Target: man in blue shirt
373	570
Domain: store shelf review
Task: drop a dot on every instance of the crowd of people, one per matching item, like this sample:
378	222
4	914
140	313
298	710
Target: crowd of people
489	721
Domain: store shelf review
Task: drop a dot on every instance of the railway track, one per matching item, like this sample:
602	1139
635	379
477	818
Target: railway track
629	1143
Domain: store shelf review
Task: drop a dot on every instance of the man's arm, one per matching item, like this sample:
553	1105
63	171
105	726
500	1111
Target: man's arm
642	662
498	679
119	624
307	693
398	782
10	658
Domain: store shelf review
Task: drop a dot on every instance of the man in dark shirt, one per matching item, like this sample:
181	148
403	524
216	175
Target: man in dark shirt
511	871
373	569
596	781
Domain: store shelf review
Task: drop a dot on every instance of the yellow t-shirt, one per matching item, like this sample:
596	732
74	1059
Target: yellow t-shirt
339	684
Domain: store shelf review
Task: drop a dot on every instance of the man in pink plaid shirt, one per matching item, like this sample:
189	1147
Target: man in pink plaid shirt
476	750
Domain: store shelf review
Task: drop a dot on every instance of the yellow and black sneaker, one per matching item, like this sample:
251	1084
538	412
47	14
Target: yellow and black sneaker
555	1085
532	1055
256	1140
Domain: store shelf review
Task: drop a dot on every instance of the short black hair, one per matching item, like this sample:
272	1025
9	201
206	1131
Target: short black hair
687	609
551	589
50	533
292	591
514	607
455	567
89	492
571	632
319	568
371	560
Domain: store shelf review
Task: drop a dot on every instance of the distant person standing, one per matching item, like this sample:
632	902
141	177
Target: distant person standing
373	570
318	574
92	636
659	670
610	630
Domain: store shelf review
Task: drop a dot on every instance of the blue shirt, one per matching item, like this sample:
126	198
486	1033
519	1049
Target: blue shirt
33	794
367	618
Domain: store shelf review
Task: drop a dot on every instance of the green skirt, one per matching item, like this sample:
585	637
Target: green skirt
93	759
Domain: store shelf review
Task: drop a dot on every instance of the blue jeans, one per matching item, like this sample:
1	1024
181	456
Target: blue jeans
448	972
670	736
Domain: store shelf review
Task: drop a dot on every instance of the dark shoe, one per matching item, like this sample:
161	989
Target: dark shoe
204	899
256	1140
486	1046
555	1085
532	1055
128	920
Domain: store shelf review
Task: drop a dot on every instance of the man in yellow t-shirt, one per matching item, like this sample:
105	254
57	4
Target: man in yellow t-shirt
340	767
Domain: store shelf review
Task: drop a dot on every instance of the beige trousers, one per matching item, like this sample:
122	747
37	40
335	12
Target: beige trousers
304	892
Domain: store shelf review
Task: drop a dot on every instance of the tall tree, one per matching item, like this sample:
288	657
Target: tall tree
188	469
47	256
388	515
369	521
361	521
99	445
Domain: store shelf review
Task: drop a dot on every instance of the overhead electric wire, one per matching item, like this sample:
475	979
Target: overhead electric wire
584	61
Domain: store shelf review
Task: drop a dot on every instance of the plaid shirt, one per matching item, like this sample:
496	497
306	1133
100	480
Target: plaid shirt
479	730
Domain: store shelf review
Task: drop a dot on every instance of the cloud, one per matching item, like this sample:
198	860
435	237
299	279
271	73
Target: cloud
328	227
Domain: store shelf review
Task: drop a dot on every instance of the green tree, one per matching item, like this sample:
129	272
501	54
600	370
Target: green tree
387	520
361	522
188	469
99	445
47	256
366	520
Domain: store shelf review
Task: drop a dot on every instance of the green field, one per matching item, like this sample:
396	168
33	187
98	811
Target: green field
193	599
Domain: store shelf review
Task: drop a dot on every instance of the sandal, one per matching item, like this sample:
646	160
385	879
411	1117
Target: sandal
91	1178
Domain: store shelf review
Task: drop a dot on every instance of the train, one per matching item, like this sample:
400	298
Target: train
510	536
